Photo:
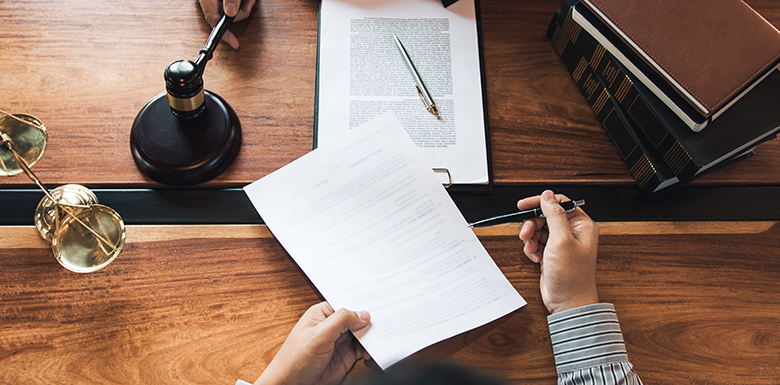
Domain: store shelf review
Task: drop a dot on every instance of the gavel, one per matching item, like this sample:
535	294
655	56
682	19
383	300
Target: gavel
187	135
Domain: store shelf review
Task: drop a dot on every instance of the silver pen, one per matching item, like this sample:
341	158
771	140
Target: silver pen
425	96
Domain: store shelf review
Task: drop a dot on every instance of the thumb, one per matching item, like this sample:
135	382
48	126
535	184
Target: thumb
231	7
557	221
342	321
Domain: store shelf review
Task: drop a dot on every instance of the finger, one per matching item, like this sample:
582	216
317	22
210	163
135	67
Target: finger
210	11
533	248
528	203
326	309
530	250
361	351
535	201
230	39
530	227
246	9
343	320
534	239
537	256
557	220
345	346
212	17
527	230
318	313
231	7
529	247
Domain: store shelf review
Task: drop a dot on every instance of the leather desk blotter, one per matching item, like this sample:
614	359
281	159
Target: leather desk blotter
713	49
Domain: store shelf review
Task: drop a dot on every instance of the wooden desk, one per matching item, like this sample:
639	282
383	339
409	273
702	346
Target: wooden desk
85	68
208	305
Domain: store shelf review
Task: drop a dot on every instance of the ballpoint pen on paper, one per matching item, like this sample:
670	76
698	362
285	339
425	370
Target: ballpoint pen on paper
525	214
425	96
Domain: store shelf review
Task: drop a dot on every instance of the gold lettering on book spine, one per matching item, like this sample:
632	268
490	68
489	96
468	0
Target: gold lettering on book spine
622	91
601	101
577	74
677	158
643	171
571	28
559	40
598	54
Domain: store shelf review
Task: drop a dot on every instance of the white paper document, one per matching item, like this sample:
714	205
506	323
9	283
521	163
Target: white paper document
369	223
362	74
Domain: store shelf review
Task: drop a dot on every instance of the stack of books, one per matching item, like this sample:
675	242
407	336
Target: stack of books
682	87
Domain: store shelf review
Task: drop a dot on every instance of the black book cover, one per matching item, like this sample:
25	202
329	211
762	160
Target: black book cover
651	174
620	85
752	120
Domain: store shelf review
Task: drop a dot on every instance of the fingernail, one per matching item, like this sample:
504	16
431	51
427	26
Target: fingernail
548	196
363	315
231	9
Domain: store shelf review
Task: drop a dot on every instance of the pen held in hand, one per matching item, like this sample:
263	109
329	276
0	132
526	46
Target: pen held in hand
522	215
422	91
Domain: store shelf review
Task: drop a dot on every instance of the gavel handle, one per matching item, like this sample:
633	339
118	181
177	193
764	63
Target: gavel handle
211	44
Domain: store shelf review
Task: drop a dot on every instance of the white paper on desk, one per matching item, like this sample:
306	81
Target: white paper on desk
362	74
368	222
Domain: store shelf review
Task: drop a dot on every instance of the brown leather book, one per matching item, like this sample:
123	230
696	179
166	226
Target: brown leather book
711	52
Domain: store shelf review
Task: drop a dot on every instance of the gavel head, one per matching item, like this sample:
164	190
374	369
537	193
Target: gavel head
184	86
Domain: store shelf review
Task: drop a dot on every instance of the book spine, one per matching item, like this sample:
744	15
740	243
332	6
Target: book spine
654	80
650	173
661	142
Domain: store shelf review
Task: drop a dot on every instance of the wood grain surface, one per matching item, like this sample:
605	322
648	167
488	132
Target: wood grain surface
86	68
698	301
211	304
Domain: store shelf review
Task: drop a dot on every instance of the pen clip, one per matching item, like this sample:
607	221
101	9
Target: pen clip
419	93
432	108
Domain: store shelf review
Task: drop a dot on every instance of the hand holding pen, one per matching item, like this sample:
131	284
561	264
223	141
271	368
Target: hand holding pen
523	215
240	10
566	246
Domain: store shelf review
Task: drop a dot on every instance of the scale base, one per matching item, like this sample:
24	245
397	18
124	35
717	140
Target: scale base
183	152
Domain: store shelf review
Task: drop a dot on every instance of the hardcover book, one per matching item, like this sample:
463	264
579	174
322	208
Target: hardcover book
687	154
635	126
711	52
650	173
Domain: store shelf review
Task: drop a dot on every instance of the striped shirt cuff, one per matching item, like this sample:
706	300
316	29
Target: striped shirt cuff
586	337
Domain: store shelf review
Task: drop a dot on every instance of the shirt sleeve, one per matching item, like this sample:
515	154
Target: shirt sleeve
242	382
589	348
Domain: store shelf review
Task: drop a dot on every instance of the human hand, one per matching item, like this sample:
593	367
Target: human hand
212	12
319	349
566	247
